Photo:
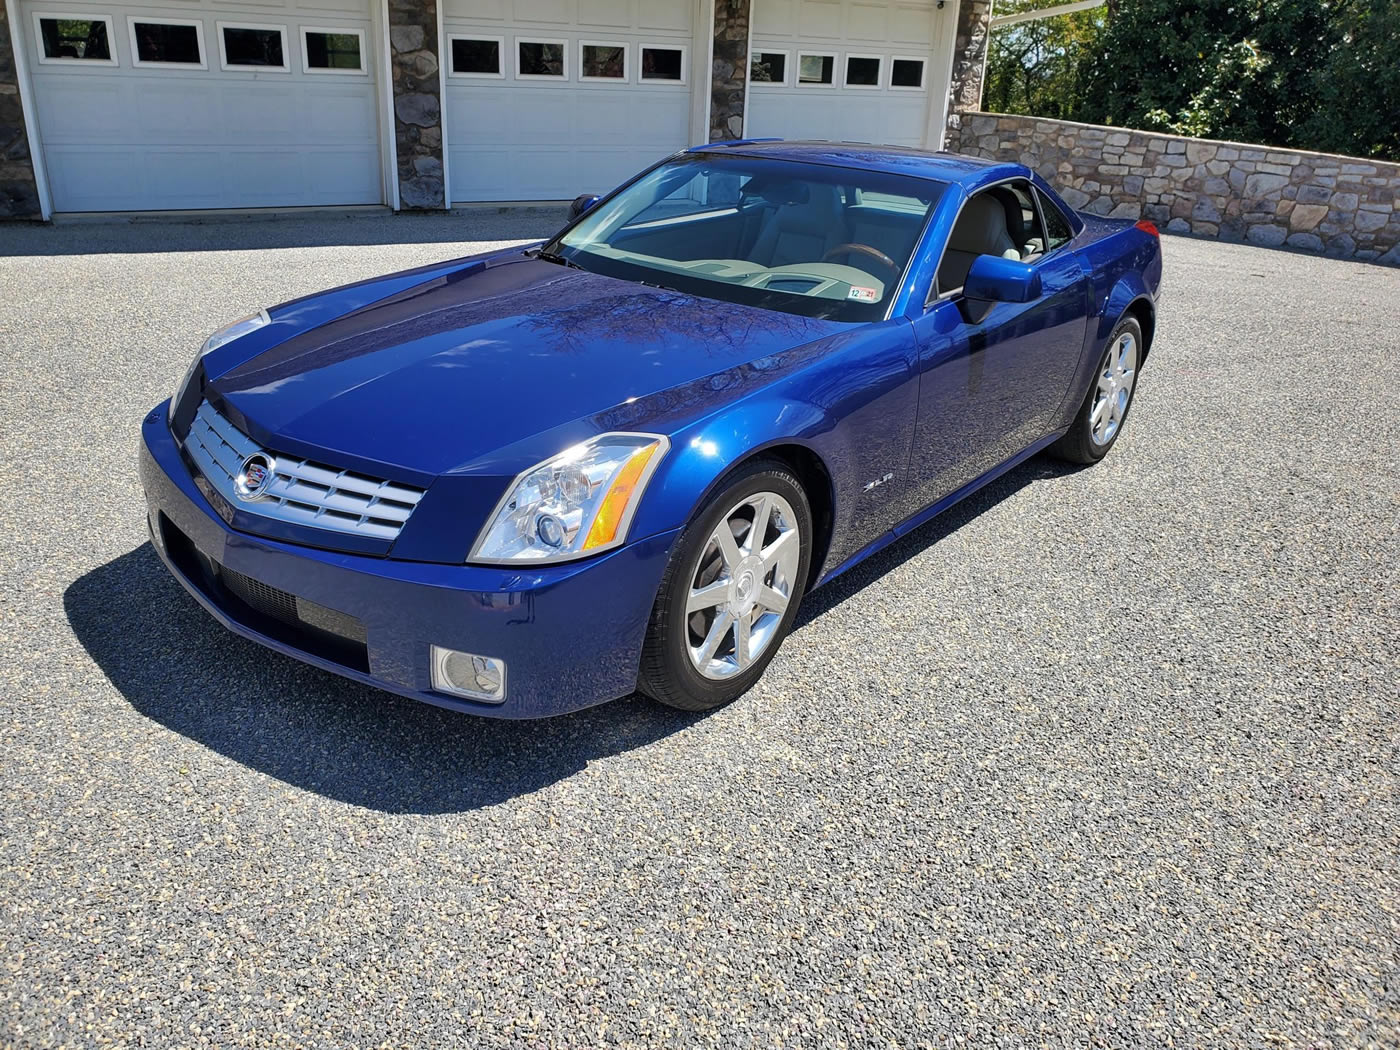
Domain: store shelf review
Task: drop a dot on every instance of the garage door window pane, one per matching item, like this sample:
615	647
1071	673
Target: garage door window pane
476	56
768	67
862	71
816	69
541	58
249	46
603	62
167	42
663	63
79	38
327	49
907	73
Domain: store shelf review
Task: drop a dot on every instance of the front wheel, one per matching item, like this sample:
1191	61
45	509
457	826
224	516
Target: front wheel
1105	409
730	592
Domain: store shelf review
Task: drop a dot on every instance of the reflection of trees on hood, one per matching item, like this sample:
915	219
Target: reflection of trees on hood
567	312
662	320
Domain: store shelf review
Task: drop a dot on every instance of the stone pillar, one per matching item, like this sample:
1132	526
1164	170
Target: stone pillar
730	73
19	190
969	63
413	49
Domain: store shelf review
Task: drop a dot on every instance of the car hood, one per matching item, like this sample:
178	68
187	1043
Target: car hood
488	364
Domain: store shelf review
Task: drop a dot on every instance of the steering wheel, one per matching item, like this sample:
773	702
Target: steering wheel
864	249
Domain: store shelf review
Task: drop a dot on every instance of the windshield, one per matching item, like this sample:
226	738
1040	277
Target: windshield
806	239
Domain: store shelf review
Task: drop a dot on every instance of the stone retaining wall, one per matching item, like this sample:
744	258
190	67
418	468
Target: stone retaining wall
969	67
19	193
413	50
1317	202
729	72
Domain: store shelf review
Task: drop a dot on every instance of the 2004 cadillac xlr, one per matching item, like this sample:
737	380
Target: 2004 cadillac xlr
533	480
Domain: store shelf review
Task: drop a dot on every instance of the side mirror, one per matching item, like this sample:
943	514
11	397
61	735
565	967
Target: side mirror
998	280
581	204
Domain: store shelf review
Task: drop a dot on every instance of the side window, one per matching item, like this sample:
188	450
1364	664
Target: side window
1023	221
1057	231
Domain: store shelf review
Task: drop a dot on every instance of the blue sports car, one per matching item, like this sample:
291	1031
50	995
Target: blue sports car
529	481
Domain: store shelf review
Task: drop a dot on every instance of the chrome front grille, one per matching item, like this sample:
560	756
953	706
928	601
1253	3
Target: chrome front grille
299	491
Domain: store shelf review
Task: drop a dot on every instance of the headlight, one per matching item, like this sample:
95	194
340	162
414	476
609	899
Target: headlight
223	336
578	503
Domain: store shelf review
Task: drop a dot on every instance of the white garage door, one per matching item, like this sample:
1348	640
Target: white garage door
547	99
205	104
852	70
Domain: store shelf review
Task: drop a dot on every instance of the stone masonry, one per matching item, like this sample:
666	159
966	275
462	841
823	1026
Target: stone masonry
969	63
729	73
19	192
413	48
1317	202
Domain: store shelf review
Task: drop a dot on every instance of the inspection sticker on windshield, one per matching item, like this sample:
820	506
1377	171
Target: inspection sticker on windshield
865	295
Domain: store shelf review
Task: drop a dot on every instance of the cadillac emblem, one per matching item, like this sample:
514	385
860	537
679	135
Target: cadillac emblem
254	476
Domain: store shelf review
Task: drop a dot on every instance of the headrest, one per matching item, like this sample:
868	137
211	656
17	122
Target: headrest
981	228
778	191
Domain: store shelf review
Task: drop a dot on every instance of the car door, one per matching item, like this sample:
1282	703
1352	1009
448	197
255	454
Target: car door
991	386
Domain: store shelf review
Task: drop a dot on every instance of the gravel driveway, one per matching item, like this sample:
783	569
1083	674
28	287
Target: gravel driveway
1100	758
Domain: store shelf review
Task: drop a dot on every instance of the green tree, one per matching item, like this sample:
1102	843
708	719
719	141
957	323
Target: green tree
1240	69
1358	93
1038	67
1313	74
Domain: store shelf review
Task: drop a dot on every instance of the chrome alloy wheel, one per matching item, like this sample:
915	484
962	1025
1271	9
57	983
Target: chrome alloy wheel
1115	389
742	585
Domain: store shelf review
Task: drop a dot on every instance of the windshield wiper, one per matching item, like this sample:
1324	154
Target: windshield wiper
555	257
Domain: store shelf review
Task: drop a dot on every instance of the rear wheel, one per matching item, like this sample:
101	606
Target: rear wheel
730	592
1105	408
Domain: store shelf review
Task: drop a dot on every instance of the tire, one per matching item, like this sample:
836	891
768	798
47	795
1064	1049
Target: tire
743	586
1089	438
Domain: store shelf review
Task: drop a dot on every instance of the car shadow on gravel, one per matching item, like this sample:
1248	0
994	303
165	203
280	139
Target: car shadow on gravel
357	744
177	666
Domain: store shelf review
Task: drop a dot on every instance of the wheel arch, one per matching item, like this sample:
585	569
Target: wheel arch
702	463
1129	296
1142	309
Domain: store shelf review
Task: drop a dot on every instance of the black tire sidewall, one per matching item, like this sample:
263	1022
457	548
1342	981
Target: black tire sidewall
1082	447
668	673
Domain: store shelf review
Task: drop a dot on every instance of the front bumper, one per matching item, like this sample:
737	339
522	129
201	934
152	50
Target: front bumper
571	635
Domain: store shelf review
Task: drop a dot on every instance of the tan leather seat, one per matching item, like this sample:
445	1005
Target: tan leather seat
980	230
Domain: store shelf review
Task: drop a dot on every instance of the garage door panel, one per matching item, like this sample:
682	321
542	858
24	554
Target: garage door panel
867	22
511	139
549	114
76	111
254	176
875	28
174	111
605	13
556	11
773	17
87	173
479	121
820	19
270	112
345	174
187	178
476	10
912	26
340	116
668	15
139	138
481	174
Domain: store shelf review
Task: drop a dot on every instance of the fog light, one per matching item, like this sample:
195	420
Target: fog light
469	675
